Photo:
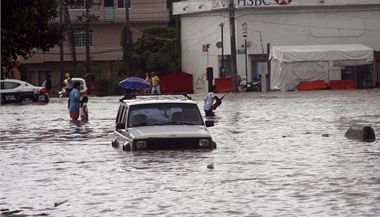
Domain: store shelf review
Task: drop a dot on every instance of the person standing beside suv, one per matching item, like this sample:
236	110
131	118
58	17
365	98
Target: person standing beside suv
209	102
74	101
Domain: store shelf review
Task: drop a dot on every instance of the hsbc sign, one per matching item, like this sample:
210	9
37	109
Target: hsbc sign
196	6
219	4
258	3
283	2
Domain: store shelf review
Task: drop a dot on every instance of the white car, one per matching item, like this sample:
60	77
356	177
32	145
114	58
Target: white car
16	91
83	88
158	123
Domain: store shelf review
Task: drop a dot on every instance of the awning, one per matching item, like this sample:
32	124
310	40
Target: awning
342	52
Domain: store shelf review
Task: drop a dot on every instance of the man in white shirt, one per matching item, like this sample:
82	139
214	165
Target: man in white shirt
209	101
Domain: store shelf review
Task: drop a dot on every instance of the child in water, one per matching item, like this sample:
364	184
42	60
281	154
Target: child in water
84	109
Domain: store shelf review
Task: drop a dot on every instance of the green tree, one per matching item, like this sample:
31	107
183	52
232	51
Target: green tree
25	25
156	50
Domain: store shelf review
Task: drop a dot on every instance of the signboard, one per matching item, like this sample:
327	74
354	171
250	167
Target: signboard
283	2
218	4
219	44
259	57
205	47
196	6
240	51
244	29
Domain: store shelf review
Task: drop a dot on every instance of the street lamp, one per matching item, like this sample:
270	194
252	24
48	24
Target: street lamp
221	32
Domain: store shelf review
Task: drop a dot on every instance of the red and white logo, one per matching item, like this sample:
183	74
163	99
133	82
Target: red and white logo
283	2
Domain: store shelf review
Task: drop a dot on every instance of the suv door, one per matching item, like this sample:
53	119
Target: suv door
120	124
121	117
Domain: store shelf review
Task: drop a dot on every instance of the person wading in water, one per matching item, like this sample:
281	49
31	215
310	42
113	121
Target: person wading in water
74	101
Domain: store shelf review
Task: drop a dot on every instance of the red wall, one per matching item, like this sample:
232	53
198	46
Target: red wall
177	82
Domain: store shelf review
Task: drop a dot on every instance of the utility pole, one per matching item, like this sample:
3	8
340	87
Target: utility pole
71	39
61	67
128	35
221	71
233	46
88	65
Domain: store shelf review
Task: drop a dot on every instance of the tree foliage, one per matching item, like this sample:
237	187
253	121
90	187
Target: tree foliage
156	50
25	25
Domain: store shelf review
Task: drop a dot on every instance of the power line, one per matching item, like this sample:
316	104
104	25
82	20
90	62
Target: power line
80	53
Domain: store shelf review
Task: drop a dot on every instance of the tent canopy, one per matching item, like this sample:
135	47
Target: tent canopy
322	53
291	65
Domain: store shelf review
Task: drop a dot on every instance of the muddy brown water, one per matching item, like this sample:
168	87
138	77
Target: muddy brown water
279	154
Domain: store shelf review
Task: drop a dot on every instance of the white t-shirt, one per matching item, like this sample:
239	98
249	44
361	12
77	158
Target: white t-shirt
84	112
209	100
69	83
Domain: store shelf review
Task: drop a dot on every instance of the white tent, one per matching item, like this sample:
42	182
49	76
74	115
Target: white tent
291	65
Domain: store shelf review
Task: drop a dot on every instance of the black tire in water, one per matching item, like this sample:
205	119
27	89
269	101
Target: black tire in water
26	100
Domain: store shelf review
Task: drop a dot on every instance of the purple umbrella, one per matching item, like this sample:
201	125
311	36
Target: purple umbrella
134	83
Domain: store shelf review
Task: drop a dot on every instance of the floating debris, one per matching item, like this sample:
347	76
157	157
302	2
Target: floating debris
361	132
59	203
210	166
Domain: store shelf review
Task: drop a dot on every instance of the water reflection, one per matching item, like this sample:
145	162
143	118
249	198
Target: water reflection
278	154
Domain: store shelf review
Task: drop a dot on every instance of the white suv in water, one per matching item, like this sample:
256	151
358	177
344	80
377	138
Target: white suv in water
158	122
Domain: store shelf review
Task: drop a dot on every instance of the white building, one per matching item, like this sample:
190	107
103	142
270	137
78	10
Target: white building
277	22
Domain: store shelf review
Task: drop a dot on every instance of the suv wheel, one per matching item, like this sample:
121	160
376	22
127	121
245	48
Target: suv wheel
126	147
114	143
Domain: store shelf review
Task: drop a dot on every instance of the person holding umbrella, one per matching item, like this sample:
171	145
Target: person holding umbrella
130	94
132	84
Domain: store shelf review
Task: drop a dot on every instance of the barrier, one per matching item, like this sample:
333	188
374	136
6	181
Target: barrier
223	84
312	85
341	84
361	132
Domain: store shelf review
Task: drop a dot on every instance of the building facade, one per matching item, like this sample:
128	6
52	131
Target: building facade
107	19
205	27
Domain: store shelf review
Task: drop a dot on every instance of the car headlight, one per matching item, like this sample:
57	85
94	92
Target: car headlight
204	143
141	145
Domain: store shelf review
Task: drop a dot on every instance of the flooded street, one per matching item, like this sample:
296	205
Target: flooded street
278	154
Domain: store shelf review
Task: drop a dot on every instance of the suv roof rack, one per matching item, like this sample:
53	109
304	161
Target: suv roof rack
159	96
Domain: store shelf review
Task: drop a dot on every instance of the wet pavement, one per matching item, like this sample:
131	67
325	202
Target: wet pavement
278	154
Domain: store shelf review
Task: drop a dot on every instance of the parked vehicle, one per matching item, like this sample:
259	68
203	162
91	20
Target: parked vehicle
83	88
157	123
254	85
16	91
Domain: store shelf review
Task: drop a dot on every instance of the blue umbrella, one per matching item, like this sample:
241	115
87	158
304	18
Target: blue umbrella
134	83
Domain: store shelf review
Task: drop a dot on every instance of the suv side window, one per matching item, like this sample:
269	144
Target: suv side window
124	116
121	114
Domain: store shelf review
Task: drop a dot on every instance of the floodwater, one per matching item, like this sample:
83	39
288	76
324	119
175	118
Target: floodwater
279	154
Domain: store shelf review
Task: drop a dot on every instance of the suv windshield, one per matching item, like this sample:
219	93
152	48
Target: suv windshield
164	114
